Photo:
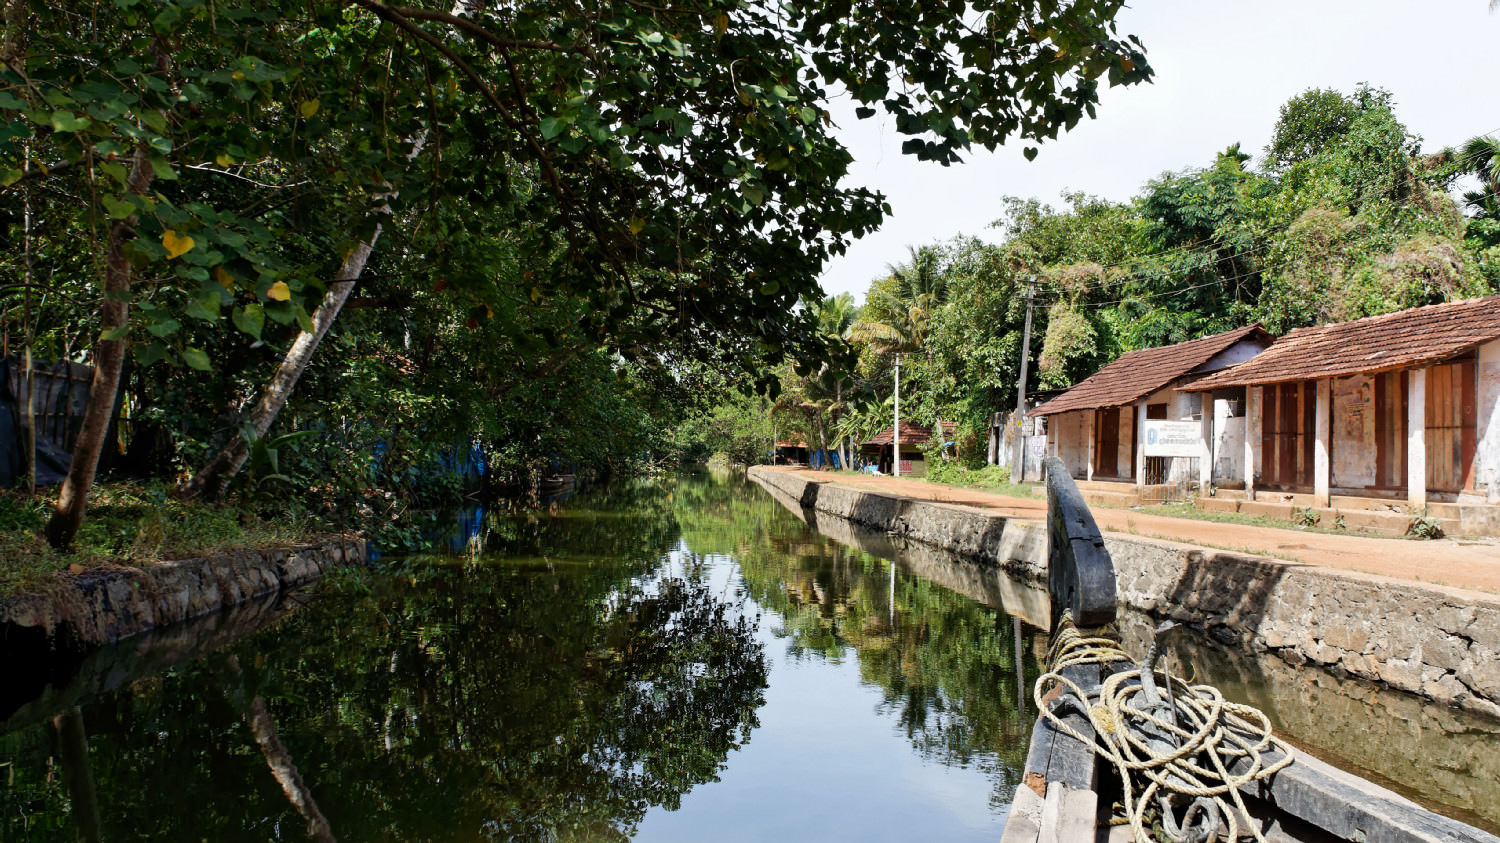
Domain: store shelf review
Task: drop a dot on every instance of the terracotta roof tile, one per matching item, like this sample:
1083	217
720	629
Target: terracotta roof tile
911	434
1140	373
1401	340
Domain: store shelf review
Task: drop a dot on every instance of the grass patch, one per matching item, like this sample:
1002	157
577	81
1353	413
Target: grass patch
991	478
134	524
1187	510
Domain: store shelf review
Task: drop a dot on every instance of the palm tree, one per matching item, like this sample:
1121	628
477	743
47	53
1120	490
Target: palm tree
821	393
1480	157
920	289
901	326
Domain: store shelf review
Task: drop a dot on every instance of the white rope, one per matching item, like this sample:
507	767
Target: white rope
1164	749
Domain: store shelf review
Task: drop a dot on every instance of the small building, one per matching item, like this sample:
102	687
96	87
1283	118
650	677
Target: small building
1401	406
1099	428
790	453
878	449
1033	432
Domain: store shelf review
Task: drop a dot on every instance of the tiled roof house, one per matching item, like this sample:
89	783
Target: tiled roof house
1097	426
1402	405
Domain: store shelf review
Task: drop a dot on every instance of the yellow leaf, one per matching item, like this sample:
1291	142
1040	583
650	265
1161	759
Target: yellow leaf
279	292
721	23
237	76
176	244
535	295
636	224
224	278
308	108
489	312
224	160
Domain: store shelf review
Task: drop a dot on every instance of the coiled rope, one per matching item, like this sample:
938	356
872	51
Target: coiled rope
1173	752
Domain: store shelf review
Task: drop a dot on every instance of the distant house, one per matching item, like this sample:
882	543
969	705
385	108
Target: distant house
1098	428
791	453
1401	406
878	449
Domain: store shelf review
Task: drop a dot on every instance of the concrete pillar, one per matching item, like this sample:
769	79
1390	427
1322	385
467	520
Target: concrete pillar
994	438
1206	453
1140	447
1322	445
1416	439
1253	398
1088	432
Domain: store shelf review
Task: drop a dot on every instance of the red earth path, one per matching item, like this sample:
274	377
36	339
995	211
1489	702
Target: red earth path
1472	564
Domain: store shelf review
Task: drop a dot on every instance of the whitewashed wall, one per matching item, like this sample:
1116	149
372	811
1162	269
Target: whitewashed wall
1228	445
1069	434
1487	453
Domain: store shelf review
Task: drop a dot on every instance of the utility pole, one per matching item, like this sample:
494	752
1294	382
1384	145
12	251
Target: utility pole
896	431
1018	454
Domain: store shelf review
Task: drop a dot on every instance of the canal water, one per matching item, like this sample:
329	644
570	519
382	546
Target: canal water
682	659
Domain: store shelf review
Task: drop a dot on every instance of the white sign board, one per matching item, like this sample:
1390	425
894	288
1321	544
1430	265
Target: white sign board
1173	438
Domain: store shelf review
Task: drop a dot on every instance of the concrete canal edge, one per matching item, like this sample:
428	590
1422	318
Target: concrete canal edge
1436	642
75	612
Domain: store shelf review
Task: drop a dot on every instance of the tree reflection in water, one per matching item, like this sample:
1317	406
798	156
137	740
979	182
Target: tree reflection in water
555	685
945	664
554	698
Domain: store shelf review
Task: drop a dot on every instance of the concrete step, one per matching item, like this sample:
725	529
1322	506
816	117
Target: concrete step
1289	498
1443	510
1219	503
1348	503
1095	497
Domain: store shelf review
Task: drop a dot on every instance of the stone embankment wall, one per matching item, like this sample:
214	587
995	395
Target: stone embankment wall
103	605
1440	643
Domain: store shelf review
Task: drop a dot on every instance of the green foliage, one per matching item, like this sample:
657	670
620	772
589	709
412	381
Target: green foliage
1424	526
1317	118
738	430
1345	220
138	524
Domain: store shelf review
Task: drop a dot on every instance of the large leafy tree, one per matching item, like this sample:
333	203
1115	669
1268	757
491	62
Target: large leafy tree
667	166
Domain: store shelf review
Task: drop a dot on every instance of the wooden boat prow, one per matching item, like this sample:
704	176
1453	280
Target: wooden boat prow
1058	800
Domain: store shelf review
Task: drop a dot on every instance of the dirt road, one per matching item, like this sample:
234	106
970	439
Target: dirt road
1459	563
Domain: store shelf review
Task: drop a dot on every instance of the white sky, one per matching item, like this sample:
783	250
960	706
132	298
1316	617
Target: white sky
1222	72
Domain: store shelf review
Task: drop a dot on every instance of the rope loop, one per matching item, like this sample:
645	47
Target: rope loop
1172	743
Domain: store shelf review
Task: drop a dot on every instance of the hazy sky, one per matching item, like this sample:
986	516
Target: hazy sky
1222	72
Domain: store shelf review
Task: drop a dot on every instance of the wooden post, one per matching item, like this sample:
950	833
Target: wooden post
1322	444
1416	439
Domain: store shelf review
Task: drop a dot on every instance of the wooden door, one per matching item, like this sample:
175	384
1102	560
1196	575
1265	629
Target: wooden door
1451	427
1107	442
1390	430
1287	424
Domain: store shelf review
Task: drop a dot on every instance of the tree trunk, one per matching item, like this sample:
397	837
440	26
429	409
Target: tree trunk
109	361
278	758
211	481
73	747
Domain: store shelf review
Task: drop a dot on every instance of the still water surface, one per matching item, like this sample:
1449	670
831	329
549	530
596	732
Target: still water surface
678	660
681	660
